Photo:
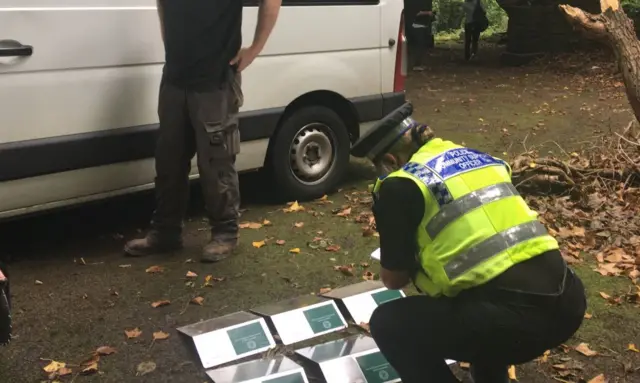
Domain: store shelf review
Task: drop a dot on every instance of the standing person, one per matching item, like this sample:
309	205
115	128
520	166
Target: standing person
495	288
419	15
199	100
476	22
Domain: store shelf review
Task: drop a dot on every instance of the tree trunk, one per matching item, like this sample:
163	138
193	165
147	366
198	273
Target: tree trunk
614	28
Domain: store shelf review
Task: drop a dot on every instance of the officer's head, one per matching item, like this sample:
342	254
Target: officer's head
391	143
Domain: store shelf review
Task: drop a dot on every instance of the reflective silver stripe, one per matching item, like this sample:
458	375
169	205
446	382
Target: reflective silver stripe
494	245
456	209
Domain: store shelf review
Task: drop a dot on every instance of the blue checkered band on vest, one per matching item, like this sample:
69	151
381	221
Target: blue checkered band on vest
434	183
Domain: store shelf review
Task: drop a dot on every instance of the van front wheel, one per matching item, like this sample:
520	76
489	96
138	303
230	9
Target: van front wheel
311	153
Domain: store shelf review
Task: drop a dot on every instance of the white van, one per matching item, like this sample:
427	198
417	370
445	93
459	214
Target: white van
79	86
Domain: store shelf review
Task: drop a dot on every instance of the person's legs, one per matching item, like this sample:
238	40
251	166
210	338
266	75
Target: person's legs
214	115
474	42
419	47
468	28
175	148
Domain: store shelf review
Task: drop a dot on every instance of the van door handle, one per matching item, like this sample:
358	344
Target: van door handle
11	48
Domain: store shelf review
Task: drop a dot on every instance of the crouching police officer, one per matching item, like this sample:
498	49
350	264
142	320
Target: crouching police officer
496	290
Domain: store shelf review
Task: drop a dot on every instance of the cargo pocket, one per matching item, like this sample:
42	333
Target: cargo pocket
236	89
224	138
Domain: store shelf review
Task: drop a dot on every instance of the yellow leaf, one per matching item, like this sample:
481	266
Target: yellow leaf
598	379
191	274
160	335
198	301
298	224
584	349
154	269
266	222
133	333
64	371
323	198
295	250
587	316
250	225
512	373
532	165
294	207
90	368
258	244
54	366
632	347
160	304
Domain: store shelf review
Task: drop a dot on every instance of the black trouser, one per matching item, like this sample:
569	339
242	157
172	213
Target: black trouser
471	37
491	331
418	44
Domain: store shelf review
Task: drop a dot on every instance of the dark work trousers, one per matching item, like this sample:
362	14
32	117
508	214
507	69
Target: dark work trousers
418	44
206	123
416	334
471	38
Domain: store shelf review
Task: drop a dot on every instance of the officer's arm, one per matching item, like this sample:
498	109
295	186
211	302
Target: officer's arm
398	214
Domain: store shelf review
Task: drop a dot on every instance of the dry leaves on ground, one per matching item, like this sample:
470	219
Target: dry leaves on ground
155	269
293	207
258	244
295	251
250	225
198	301
160	303
584	349
136	332
160	335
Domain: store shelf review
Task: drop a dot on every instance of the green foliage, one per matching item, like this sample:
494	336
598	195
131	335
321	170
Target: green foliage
450	18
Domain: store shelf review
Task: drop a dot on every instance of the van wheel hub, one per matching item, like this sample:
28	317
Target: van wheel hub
312	153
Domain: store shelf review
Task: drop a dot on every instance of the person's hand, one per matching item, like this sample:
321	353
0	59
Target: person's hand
244	58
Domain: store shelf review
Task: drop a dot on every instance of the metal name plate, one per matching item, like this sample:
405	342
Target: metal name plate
361	299
302	318
230	337
355	359
279	369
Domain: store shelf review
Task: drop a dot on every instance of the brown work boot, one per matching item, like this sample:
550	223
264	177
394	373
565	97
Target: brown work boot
218	249
153	243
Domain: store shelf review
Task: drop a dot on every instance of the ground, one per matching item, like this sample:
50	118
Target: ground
74	291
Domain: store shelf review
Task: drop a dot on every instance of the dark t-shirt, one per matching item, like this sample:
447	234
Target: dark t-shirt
399	211
411	9
201	38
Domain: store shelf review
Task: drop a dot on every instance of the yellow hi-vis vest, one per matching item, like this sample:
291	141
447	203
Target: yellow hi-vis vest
475	225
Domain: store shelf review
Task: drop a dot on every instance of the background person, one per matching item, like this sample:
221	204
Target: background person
495	288
476	22
200	96
418	19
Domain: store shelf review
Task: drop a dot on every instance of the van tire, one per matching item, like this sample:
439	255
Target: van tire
312	128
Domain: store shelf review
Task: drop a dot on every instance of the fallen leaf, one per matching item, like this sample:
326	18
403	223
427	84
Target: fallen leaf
298	224
266	222
295	251
294	207
344	212
605	295
364	264
124	266
64	371
90	368
250	225
136	332
160	335
584	349
54	366
145	368
160	303
191	274
346	270
333	248
105	350
632	347
258	244
512	373
325	290
38	282
368	276
198	301
280	242
598	379
587	316
154	269
574	232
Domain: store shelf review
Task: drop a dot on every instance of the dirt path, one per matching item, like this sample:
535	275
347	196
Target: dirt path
89	294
